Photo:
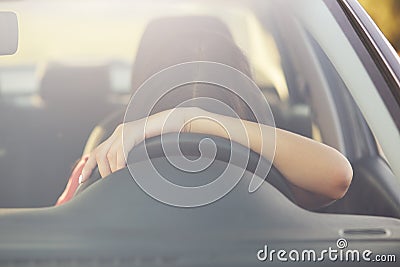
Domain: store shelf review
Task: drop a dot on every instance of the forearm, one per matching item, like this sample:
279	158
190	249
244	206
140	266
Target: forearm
304	162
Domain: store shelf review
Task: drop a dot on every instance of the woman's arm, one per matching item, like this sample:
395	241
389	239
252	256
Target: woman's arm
319	173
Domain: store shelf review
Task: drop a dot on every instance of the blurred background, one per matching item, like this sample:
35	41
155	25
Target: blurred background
386	14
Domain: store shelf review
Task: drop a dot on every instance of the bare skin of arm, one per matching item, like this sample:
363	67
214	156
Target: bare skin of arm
318	173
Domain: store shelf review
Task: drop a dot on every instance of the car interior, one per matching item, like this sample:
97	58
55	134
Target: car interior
53	111
60	115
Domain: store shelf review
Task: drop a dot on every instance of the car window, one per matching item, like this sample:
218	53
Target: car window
78	56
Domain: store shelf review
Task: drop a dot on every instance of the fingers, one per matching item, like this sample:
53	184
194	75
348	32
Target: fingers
108	156
103	163
121	163
112	157
88	169
98	157
115	156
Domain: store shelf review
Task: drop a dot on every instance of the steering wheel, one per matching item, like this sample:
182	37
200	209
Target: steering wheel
189	147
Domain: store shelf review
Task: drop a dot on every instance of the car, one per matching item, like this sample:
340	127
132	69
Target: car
327	73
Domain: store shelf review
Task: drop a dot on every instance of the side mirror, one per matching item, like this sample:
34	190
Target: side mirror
8	33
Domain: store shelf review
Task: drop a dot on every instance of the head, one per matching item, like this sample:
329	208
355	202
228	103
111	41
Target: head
170	41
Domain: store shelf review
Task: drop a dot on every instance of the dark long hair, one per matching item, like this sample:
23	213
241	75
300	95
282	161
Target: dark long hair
170	41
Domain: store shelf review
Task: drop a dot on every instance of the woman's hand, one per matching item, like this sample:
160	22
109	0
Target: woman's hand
109	156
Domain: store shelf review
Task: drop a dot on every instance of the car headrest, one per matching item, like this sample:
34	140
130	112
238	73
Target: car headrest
169	33
65	85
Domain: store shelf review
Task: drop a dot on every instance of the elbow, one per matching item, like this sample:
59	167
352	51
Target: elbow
341	179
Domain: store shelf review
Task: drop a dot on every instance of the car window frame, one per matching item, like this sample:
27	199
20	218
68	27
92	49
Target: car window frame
377	56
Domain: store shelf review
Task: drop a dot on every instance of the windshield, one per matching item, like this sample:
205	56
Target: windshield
75	52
